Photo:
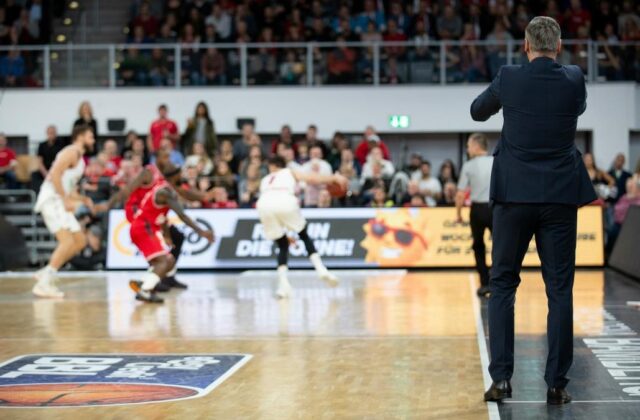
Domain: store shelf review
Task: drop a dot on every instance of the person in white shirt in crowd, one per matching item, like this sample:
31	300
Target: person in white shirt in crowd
199	159
286	151
316	165
376	156
429	185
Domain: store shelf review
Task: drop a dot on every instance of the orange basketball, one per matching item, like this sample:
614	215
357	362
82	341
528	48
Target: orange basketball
336	190
70	395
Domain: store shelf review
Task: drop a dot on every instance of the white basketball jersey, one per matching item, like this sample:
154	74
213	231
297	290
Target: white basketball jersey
70	179
279	182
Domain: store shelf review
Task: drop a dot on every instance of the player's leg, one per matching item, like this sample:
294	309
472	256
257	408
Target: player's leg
284	287
177	238
274	230
145	289
315	259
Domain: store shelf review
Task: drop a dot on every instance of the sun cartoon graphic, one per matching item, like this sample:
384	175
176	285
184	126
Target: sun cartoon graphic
396	238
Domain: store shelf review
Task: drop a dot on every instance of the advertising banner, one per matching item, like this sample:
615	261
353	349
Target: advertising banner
344	237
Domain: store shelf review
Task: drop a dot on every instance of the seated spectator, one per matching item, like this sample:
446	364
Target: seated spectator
175	156
93	256
341	64
449	24
376	157
286	152
199	159
221	199
347	169
8	164
190	179
413	190
447	172
620	176
110	149
146	20
312	140
224	178
416	201
429	186
47	151
226	155
241	146
292	70
602	181
138	36
159	69
315	165
12	69
414	163
254	157
129	170
249	187
631	198
379	198
371	13
285	137
448	197
134	68
201	129
212	68
138	151
339	142
324	199
376	177
370	140
303	153
96	183
220	20
394	34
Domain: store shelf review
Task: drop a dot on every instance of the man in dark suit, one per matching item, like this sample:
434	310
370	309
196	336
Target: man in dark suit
538	181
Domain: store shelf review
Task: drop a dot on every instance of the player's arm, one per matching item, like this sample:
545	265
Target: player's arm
194	195
315	178
144	177
169	198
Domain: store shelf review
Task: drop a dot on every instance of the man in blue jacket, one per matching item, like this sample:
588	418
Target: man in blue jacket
538	181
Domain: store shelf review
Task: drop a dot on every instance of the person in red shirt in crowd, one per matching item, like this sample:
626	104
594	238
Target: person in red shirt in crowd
369	141
341	63
394	34
110	149
221	199
146	20
286	137
575	17
161	128
8	163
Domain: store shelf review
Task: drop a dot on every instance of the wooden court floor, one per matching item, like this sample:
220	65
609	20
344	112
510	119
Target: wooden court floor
384	344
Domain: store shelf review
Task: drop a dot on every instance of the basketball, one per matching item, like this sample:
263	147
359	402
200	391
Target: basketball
336	190
69	395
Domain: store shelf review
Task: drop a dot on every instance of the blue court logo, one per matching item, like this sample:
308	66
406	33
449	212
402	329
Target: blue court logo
72	380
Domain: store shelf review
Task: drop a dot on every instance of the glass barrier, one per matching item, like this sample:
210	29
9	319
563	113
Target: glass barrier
281	64
79	67
22	68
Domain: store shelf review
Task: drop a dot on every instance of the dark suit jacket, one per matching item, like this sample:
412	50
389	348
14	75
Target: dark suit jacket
536	160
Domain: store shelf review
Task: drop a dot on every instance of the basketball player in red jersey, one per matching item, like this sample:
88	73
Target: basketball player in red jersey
137	189
149	227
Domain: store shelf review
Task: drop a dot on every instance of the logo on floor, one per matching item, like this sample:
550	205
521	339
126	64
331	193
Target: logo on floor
72	380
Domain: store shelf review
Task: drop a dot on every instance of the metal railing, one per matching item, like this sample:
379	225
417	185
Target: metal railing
302	64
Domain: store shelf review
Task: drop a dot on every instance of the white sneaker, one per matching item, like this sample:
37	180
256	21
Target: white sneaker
328	278
284	289
47	290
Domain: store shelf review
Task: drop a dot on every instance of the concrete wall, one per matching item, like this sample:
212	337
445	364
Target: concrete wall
613	110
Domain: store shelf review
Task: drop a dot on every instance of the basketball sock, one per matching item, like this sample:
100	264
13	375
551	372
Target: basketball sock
149	280
173	271
283	270
308	243
283	254
317	263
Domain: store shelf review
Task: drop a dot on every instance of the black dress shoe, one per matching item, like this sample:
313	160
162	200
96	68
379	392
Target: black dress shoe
557	396
484	292
173	282
498	391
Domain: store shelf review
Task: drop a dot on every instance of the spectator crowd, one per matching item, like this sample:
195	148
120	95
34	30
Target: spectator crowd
195	22
231	169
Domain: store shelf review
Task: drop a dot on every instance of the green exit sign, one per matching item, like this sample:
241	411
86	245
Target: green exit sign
399	121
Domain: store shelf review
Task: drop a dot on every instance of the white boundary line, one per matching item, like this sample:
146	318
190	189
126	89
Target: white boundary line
492	407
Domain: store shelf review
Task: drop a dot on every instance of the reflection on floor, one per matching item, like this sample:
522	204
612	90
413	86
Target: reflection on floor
383	344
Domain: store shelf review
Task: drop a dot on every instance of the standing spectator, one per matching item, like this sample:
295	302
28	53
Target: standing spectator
175	157
369	141
429	186
8	164
201	129
85	117
47	151
318	166
620	176
162	128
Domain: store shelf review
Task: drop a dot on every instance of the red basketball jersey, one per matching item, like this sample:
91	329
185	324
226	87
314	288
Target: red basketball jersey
135	198
149	211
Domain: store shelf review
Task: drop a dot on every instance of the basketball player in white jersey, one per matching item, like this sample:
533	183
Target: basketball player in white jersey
57	201
279	212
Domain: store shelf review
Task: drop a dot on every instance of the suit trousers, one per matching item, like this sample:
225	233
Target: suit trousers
480	220
554	229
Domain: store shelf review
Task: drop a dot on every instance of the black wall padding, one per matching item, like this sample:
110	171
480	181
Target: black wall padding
13	248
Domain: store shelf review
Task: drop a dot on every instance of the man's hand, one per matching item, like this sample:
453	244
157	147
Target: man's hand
207	234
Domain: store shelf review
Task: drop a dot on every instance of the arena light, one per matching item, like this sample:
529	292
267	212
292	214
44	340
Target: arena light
74	5
61	38
54	56
67	22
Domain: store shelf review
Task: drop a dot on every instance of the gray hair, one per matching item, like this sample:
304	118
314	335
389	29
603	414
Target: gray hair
543	34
